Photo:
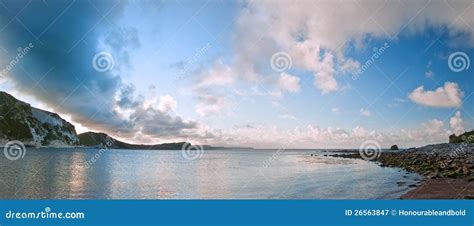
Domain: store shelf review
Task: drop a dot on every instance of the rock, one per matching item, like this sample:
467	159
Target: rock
400	183
434	175
466	170
394	147
33	126
450	173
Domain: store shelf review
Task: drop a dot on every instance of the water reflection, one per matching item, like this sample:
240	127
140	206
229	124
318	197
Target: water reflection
237	174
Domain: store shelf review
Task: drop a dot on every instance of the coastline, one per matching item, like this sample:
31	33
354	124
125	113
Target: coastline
447	169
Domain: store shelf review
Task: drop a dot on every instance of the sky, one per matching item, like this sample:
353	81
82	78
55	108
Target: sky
265	74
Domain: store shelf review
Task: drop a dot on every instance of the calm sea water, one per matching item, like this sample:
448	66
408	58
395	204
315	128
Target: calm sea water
217	174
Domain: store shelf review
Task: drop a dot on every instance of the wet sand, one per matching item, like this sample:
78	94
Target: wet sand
442	188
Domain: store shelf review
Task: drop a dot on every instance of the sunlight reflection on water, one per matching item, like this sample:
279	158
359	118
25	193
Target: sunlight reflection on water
218	174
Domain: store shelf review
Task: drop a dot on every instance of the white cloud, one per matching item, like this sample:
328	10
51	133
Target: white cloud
365	112
288	83
359	131
336	110
262	136
351	66
312	136
211	104
308	56
457	123
307	32
324	77
220	75
431	131
167	103
448	96
433	126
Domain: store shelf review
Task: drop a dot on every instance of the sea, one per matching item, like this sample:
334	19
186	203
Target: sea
81	173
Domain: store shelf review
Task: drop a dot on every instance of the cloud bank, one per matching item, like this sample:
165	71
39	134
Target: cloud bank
59	71
315	34
313	136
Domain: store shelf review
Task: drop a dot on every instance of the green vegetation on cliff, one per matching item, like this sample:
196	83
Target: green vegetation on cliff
20	121
467	137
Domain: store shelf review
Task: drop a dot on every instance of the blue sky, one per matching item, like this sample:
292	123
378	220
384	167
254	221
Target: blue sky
203	70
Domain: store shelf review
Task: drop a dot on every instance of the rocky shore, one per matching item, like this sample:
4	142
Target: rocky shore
448	168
